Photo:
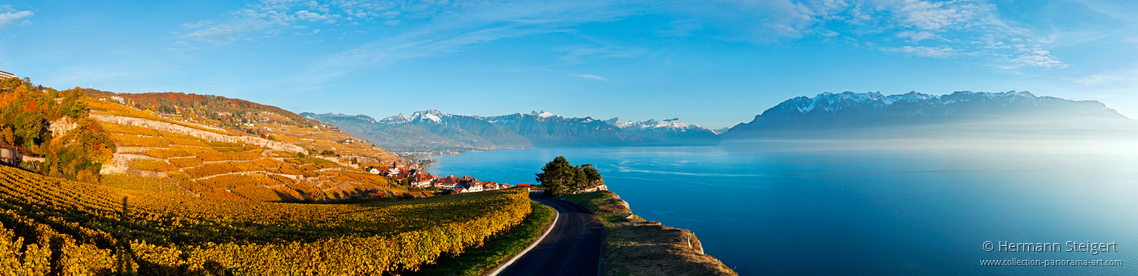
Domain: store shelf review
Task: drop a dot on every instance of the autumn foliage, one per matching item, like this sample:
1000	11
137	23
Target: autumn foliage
43	122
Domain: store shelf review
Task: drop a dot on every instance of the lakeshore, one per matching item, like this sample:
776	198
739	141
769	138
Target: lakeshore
634	246
850	206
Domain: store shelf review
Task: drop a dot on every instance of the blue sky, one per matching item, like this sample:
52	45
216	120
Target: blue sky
711	62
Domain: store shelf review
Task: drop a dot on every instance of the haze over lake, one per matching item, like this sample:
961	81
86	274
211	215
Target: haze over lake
809	209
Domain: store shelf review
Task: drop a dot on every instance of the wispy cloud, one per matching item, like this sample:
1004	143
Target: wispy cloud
268	18
1037	57
12	17
923	51
936	16
1100	79
577	55
1125	77
966	29
916	36
264	18
591	77
918	28
969	27
454	32
934	29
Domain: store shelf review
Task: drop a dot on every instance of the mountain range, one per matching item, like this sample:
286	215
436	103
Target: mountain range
849	114
434	131
825	116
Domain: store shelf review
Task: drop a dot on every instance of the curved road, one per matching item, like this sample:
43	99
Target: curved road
573	247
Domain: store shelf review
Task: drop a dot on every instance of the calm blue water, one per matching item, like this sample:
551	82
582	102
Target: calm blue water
764	211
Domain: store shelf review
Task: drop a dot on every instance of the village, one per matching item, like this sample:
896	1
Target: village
415	178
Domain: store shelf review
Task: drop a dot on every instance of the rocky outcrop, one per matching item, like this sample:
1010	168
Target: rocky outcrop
634	246
201	134
61	126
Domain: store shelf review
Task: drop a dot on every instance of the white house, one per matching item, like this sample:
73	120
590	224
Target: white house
489	186
472	187
422	180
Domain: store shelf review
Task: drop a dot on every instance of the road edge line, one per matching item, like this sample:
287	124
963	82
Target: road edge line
556	216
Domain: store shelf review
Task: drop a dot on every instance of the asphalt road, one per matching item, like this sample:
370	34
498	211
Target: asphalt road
573	247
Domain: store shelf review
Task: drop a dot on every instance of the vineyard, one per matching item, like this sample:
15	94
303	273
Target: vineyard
76	228
238	171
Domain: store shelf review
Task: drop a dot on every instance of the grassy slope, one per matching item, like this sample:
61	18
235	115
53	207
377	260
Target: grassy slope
478	261
637	247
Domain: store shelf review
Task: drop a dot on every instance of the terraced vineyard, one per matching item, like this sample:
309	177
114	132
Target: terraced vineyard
78	228
224	163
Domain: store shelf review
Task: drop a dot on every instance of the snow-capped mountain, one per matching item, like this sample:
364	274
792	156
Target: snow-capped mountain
428	116
827	112
545	128
433	130
429	130
837	103
672	130
653	124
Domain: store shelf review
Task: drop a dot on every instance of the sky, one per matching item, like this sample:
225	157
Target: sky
716	63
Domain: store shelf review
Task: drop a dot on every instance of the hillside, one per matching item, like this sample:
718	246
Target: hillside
435	131
48	131
961	114
218	147
74	228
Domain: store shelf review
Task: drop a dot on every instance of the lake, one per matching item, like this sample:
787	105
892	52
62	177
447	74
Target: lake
766	208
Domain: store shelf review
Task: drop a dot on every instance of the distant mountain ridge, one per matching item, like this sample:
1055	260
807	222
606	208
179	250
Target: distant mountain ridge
828	114
433	130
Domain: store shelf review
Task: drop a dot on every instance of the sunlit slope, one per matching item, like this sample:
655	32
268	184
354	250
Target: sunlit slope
274	159
84	224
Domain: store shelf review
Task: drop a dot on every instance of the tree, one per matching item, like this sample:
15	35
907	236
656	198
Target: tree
579	179
559	177
591	174
8	137
556	175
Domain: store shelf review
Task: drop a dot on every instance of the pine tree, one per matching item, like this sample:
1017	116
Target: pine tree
557	175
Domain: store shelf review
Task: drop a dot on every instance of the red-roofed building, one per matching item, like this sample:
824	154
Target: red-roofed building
448	182
423	180
402	174
489	185
523	185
